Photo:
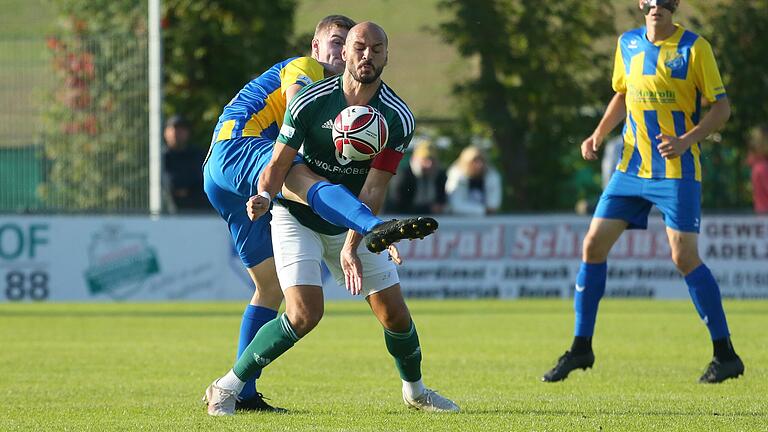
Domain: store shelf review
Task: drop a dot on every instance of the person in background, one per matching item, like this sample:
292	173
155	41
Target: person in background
181	167
661	72
758	161
611	157
473	187
420	187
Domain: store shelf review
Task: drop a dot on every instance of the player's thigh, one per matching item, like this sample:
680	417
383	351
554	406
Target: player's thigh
680	203
685	250
390	309
601	237
298	181
298	251
379	272
252	240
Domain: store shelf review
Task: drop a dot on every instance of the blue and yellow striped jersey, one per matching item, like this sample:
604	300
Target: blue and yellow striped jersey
259	108
664	84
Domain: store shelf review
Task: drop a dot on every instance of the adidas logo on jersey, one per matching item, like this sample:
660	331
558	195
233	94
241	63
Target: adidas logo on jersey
328	124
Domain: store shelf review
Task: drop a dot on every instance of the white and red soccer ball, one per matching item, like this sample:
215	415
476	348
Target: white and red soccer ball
360	132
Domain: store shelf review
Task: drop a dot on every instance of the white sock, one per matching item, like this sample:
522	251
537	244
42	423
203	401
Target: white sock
230	381
412	390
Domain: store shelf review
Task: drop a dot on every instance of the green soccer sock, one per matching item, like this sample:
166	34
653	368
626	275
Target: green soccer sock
405	348
272	340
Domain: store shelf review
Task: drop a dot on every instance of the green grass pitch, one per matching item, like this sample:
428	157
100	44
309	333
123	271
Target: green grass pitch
106	367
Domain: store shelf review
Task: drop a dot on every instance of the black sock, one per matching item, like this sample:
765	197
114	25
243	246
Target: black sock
723	349
581	345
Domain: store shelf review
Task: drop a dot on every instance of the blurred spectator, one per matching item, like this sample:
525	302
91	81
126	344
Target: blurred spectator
419	187
182	164
473	187
611	155
758	160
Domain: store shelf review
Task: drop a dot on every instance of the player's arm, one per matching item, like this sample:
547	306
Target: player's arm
372	194
617	107
719	113
271	179
291	91
273	176
614	114
374	190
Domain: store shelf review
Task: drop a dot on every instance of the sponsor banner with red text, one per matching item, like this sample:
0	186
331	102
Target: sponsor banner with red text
95	258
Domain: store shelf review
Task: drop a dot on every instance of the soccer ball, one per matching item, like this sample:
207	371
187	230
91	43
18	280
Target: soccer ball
360	132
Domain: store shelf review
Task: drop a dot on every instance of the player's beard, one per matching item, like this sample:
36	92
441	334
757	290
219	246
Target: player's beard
369	78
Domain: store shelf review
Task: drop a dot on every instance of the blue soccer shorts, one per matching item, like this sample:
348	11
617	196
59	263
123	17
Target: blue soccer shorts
230	178
629	198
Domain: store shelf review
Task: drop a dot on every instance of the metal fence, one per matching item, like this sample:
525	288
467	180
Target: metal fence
73	124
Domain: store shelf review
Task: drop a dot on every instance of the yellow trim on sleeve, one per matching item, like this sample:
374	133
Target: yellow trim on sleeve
225	132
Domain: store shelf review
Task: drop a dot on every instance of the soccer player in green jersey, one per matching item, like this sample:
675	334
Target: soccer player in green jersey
661	73
306	239
242	146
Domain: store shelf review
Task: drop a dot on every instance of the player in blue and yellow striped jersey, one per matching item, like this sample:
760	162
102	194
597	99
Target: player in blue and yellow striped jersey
661	74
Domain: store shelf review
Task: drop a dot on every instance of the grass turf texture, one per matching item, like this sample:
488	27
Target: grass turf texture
144	366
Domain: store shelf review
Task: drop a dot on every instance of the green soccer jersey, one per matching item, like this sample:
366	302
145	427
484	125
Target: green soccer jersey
308	128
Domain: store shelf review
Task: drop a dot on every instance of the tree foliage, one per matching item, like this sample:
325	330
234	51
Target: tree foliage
96	120
736	31
212	48
541	79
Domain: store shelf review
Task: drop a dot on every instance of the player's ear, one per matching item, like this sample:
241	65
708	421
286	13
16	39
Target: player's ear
344	52
315	49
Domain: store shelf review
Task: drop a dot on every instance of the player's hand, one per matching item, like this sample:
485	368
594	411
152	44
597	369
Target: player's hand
257	205
394	254
590	146
671	147
353	270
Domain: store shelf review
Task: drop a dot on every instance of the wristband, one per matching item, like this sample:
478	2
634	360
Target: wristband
266	195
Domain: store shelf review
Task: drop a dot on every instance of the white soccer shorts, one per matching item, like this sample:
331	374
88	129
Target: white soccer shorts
298	251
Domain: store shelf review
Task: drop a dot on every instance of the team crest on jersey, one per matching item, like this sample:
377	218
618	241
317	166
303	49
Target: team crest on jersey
675	62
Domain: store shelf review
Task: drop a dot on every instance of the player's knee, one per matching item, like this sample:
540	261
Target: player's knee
304	320
594	250
685	260
397	321
270	291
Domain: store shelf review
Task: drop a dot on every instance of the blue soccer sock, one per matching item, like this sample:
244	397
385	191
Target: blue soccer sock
705	294
336	204
590	287
254	318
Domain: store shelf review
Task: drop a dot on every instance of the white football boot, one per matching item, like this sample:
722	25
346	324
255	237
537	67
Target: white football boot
431	401
221	401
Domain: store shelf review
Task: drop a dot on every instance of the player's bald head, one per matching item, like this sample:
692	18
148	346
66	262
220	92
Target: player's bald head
367	30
